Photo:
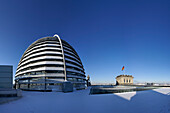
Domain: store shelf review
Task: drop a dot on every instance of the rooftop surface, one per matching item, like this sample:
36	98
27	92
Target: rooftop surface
151	101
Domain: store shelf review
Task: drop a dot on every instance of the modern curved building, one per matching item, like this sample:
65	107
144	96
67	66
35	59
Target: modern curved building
47	64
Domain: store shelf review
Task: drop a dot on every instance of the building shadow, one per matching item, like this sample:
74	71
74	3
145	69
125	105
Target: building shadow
150	101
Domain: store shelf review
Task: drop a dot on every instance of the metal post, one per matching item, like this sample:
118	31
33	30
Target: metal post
28	83
45	83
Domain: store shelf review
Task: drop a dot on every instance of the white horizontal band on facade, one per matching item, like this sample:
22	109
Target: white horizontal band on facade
65	47
72	70
37	50
44	42
52	81
42	75
72	65
43	45
71	56
83	82
74	76
38	65
74	61
40	58
41	53
36	59
71	51
40	69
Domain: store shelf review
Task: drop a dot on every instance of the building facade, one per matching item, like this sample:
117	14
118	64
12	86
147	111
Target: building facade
47	63
6	77
124	80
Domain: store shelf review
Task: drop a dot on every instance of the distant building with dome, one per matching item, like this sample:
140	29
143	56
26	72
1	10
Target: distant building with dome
124	80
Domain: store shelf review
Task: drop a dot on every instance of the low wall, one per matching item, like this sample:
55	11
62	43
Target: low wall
99	90
10	93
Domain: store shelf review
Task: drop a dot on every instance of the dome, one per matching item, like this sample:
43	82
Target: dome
48	62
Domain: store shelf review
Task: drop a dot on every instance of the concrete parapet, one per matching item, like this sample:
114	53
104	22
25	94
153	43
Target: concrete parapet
67	87
10	93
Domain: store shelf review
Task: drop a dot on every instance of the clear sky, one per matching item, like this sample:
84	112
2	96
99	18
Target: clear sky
107	34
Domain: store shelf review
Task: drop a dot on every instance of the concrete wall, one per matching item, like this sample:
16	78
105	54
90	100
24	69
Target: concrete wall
67	87
6	76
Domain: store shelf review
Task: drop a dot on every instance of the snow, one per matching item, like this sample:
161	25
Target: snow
150	101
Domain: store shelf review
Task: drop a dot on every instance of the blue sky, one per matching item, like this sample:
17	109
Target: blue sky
107	34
